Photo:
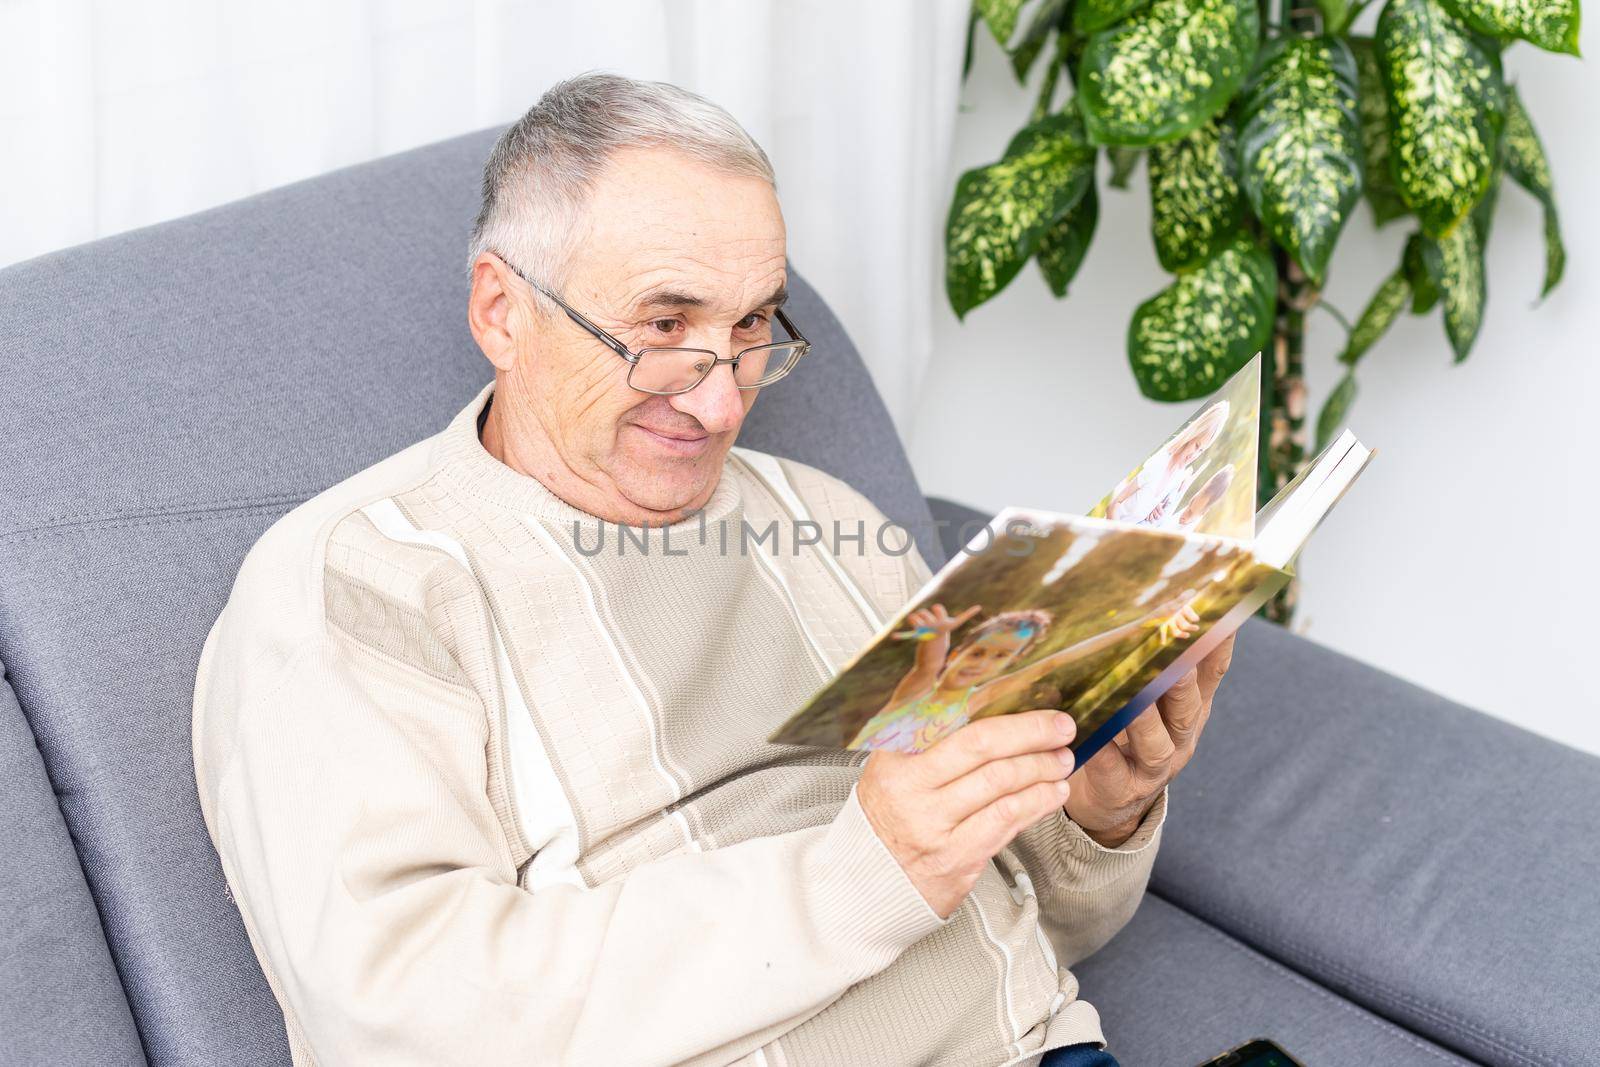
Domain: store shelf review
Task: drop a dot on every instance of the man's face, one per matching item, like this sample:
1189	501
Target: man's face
672	253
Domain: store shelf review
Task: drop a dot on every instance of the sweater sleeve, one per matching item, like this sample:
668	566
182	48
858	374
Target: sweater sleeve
1087	892
381	895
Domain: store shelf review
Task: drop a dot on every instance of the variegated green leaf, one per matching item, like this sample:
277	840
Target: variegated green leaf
1379	314
1046	17
1529	168
1187	340
1525	157
1373	110
1555	253
1194	195
1000	211
1166	69
1445	111
1335	13
1335	409
1483	212
1550	24
1123	163
1424	290
1000	16
1063	245
1091	16
1456	264
1300	146
1046	101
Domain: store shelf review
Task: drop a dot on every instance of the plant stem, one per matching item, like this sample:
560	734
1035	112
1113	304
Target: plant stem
1283	383
1283	389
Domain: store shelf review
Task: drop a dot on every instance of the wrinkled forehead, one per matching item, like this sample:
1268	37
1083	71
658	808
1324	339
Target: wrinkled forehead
658	220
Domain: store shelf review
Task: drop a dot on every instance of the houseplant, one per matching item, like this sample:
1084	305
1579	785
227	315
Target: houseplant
1262	127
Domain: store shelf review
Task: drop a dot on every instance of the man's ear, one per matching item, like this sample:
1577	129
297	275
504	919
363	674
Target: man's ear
490	312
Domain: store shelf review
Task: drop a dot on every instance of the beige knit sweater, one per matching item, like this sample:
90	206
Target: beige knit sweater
486	796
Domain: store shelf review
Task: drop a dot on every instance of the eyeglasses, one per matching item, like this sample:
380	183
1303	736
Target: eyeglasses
670	371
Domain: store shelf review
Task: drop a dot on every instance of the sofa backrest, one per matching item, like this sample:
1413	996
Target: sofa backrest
60	999
168	394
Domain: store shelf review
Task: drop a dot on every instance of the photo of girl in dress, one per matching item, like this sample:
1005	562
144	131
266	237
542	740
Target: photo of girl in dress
943	691
1150	494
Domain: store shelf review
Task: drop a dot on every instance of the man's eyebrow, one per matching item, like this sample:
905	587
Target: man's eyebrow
673	298
777	298
669	298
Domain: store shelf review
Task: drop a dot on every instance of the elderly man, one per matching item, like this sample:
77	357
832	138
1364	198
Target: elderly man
485	796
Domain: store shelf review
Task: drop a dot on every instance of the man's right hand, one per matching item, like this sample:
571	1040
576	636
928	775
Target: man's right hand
946	812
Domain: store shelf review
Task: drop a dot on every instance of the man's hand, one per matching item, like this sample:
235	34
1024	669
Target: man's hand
1120	782
946	812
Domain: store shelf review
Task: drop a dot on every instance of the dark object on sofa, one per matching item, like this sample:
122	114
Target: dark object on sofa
1355	867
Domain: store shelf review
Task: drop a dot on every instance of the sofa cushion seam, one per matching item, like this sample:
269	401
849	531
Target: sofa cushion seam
1232	922
30	534
1316	988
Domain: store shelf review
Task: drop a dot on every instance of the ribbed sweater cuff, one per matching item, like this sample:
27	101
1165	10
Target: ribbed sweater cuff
1089	848
1085	864
863	899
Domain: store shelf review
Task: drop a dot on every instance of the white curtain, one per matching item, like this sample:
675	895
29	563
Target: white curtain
121	113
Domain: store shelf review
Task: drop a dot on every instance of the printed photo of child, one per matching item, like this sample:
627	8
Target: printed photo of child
1198	506
1151	493
1057	592
945	690
1038	620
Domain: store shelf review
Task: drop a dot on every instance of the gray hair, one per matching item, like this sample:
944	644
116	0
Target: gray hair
540	172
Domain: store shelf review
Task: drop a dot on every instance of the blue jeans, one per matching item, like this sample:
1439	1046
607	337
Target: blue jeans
1078	1056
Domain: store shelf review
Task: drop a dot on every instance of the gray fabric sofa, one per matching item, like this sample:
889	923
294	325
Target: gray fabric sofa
1355	867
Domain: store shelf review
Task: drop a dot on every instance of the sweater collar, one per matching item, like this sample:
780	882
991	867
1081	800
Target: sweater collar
469	467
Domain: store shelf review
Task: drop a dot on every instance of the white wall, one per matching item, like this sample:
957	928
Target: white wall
1464	559
120	114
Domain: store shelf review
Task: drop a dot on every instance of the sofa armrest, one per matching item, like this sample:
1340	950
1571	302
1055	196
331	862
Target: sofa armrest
1436	865
61	1000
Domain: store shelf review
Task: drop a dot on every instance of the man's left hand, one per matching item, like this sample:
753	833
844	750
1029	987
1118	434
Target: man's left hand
1114	790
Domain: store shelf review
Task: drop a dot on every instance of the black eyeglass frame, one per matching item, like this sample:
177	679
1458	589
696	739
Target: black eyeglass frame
633	358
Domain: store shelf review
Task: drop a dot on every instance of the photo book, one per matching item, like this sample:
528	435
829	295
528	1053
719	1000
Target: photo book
1097	615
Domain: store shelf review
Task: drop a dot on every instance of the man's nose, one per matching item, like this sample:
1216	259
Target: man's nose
716	402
